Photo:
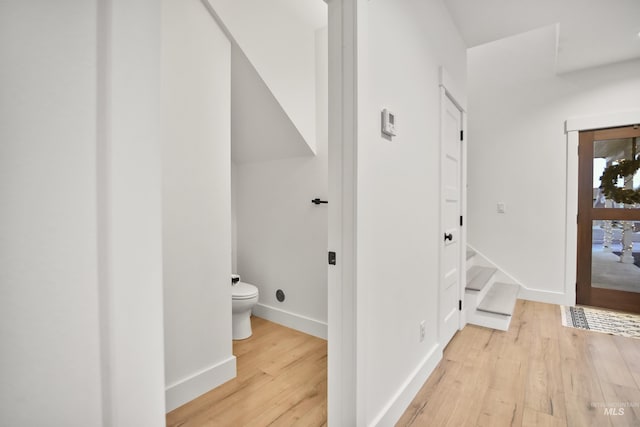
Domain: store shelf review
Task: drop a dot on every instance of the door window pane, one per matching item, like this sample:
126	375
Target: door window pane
610	155
615	262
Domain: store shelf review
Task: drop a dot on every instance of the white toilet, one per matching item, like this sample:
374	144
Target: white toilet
243	297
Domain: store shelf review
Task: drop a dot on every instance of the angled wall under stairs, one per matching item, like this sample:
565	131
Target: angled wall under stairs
260	128
279	40
490	294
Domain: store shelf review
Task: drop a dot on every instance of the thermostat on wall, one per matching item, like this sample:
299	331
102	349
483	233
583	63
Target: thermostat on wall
388	123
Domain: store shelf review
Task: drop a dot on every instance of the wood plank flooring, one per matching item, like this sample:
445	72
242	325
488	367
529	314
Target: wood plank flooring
282	381
539	373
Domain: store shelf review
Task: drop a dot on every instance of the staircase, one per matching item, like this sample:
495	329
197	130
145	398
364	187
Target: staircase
487	301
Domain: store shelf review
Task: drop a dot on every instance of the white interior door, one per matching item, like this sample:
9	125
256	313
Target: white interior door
450	205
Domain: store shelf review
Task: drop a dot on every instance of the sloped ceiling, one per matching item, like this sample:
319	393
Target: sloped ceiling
590	32
260	128
278	38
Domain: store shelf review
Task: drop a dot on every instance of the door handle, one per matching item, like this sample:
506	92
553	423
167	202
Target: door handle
448	236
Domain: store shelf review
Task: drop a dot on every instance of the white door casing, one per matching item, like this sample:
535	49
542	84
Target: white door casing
450	287
342	343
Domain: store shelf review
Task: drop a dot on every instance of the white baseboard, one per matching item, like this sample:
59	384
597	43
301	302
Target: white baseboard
526	293
183	391
540	295
400	401
291	320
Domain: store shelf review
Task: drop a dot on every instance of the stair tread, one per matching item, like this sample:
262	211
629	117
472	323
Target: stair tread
470	253
478	277
500	299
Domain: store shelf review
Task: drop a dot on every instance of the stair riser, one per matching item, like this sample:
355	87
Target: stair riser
501	299
489	320
471	262
473	298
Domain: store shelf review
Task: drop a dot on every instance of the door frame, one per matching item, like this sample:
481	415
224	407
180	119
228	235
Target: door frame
449	91
573	127
585	293
342	403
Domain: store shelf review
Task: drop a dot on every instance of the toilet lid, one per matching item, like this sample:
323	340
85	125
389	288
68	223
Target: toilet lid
243	290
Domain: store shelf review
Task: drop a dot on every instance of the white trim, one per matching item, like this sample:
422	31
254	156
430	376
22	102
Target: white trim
540	295
187	389
453	90
463	212
128	163
103	200
342	402
531	294
291	320
501	274
401	399
571	215
572	128
609	120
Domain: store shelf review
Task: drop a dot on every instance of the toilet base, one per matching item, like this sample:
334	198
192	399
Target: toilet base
241	326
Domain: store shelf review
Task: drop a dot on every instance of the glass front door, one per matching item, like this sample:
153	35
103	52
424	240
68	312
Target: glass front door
609	219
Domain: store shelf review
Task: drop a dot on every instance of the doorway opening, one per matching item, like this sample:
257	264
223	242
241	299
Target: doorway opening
608	243
249	155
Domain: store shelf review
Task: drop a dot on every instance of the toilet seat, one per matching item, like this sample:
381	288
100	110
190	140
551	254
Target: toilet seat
243	290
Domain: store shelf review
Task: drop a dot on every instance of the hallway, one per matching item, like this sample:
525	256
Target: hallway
539	373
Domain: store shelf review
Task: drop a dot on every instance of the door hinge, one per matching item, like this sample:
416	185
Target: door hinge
460	220
461	135
460	304
332	258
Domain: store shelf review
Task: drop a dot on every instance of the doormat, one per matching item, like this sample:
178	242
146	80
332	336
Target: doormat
608	322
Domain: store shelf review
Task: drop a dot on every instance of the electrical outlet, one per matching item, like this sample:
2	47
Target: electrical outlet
423	329
501	207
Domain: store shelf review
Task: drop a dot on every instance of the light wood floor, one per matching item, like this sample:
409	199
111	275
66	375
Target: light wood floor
539	373
282	381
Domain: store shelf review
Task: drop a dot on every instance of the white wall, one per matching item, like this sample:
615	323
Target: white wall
49	285
281	235
278	38
398	204
518	152
80	285
196	201
129	217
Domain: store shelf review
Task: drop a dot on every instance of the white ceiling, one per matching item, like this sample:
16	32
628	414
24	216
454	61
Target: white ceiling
590	32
